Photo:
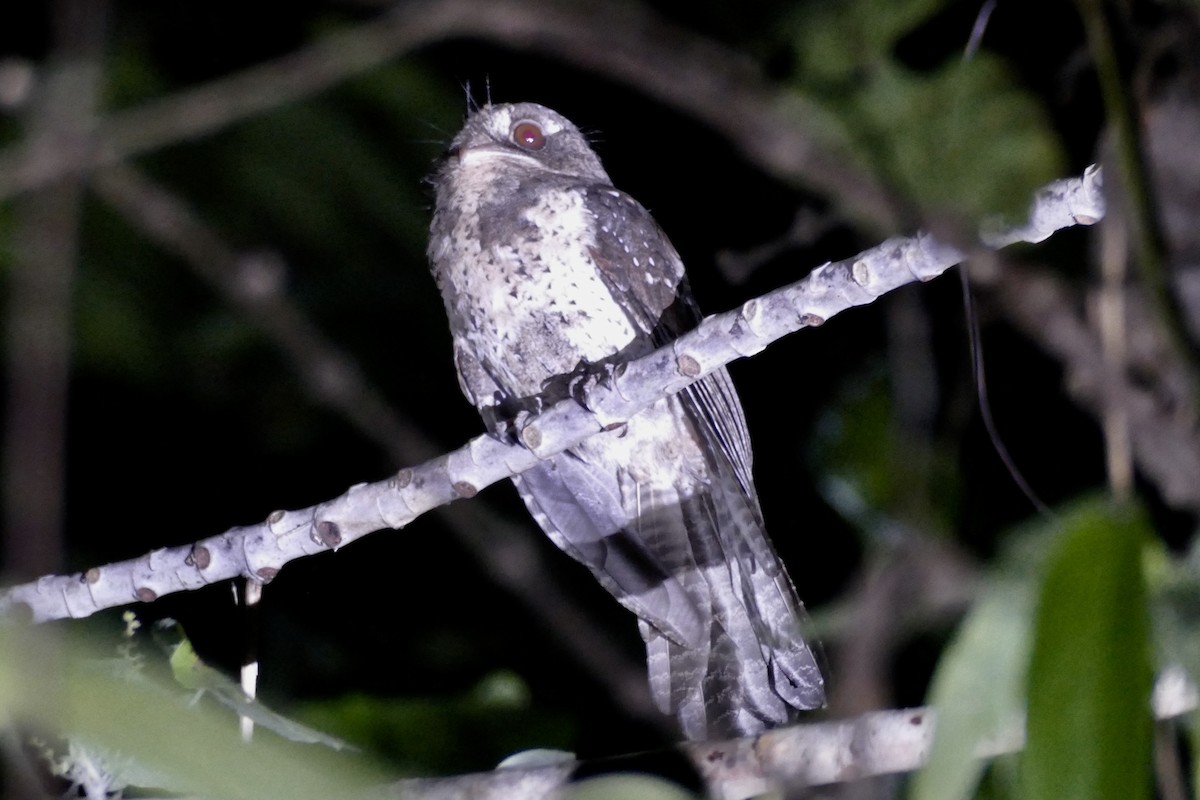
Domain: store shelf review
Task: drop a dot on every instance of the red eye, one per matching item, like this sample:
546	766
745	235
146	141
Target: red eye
528	135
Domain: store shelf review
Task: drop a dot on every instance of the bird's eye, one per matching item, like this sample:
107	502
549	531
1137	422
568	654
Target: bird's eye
528	135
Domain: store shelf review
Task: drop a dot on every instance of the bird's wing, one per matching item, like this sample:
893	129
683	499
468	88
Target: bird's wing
580	505
720	617
623	530
644	273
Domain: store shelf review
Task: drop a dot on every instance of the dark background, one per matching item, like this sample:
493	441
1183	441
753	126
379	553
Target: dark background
184	417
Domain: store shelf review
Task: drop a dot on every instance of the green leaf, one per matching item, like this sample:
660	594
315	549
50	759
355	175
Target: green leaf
979	687
837	41
958	138
964	138
138	731
448	734
1175	587
192	673
872	471
1089	724
977	691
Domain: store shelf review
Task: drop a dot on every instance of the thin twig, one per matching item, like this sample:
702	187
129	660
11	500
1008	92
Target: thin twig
1163	435
1141	206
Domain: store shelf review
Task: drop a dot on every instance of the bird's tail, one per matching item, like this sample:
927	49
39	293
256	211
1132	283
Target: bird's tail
753	669
683	546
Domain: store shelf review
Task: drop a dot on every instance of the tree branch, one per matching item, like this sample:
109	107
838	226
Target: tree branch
774	128
260	550
788	759
37	305
877	743
1153	394
253	284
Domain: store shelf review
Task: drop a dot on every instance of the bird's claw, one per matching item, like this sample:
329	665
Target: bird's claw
586	377
510	415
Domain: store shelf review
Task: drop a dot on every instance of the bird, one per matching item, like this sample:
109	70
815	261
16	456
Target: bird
551	276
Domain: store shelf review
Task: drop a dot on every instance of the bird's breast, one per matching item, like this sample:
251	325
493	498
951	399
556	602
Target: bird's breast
528	300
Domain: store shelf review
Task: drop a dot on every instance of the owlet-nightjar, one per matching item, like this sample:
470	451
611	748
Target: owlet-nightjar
547	270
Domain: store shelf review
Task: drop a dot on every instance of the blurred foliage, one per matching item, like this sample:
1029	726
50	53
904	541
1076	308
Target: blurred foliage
1062	633
1088	723
977	691
442	735
1178	617
959	138
876	472
185	710
186	420
134	730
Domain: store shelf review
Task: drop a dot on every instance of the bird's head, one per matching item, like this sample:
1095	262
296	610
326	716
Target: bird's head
525	136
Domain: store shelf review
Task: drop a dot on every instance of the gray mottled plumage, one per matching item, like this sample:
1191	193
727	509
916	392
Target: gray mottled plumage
545	268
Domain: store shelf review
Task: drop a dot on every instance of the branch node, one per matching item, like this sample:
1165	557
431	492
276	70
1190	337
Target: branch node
199	557
860	272
688	366
531	437
751	312
402	479
327	534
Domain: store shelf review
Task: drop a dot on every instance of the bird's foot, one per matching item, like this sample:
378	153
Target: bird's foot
582	382
510	415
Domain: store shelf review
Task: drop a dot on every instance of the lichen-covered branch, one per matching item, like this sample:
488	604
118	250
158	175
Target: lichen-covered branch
253	284
260	551
784	760
812	754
